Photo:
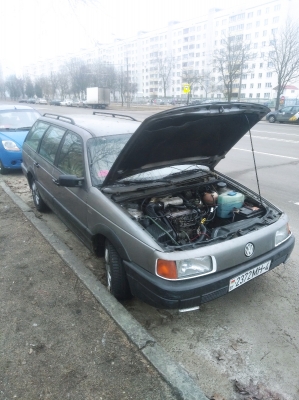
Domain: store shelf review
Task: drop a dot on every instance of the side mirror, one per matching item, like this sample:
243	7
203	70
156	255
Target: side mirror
70	181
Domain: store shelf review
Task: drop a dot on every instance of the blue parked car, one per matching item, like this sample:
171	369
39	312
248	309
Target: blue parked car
15	122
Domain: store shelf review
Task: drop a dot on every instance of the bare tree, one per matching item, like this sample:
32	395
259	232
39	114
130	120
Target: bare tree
165	66
283	57
229	61
44	83
63	83
206	81
79	76
54	83
15	87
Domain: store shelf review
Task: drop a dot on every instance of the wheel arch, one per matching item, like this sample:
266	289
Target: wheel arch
98	242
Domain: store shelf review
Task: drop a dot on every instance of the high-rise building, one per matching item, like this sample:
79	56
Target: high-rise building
190	46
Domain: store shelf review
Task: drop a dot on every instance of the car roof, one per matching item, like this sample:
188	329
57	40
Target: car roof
98	123
16	107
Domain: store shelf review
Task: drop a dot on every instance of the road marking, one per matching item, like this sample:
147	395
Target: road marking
274	139
277	133
266	154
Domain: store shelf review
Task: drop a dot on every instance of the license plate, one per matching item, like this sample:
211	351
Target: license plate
248	275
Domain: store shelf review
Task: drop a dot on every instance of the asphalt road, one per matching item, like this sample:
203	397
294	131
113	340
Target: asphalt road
246	343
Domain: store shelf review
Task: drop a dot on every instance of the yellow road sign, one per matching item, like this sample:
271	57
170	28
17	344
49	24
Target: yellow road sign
186	88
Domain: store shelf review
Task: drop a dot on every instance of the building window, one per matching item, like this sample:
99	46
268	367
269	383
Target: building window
250	95
261	65
264	33
265	22
263	44
269	74
260	75
268	84
275	20
252	76
248	36
257	23
258	95
259	85
251	86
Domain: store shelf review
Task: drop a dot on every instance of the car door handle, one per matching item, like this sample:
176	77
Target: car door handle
36	164
55	181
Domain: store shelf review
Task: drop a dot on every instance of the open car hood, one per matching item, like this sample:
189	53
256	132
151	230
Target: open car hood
201	134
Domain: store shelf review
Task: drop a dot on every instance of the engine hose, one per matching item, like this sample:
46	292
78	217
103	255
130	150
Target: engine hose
153	211
202	235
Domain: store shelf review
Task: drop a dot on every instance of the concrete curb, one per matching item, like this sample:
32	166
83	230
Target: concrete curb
175	375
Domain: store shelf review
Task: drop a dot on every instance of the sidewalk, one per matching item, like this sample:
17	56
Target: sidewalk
56	340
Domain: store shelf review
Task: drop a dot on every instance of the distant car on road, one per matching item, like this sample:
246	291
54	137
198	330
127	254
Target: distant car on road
67	102
285	114
15	122
195	102
31	101
55	102
23	100
41	101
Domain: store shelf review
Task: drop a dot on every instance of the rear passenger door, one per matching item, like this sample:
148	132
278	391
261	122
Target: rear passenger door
44	163
70	202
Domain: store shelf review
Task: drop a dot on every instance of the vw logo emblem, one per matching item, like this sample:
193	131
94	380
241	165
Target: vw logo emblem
249	249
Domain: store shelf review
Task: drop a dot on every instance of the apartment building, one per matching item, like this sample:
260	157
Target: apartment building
191	45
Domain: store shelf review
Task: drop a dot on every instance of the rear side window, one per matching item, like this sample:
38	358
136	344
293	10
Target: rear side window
50	143
34	136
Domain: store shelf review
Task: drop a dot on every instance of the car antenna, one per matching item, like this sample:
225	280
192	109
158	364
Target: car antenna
253	155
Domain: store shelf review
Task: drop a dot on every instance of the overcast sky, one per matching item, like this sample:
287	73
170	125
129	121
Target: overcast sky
37	29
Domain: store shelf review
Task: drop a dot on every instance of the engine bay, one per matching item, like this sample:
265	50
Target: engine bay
201	214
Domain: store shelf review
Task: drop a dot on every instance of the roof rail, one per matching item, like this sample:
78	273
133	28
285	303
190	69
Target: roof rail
61	117
114	115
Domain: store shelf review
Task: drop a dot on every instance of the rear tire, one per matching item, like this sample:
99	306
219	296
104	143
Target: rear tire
116	278
3	170
272	119
39	203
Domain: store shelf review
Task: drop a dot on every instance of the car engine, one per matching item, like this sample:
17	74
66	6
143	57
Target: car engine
200	215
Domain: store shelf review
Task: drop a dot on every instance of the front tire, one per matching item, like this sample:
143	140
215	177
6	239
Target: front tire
3	170
39	203
116	278
272	119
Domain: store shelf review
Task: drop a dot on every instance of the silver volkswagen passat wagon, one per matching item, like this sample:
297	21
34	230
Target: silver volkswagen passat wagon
174	231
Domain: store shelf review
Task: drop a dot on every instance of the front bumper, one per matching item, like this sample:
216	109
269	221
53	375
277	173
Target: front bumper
190	293
12	159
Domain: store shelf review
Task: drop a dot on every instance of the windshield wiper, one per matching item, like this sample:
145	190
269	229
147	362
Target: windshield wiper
142	182
187	172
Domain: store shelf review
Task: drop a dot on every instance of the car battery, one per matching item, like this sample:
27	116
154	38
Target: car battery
246	212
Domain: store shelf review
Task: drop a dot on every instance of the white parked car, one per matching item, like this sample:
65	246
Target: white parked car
41	101
67	102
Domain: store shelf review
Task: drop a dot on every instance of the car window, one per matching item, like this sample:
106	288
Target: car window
70	159
50	142
295	109
102	152
35	134
286	109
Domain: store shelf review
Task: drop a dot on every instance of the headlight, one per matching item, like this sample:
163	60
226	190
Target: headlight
9	145
282	234
183	269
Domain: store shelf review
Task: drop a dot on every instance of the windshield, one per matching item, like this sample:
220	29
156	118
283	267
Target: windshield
102	152
17	119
